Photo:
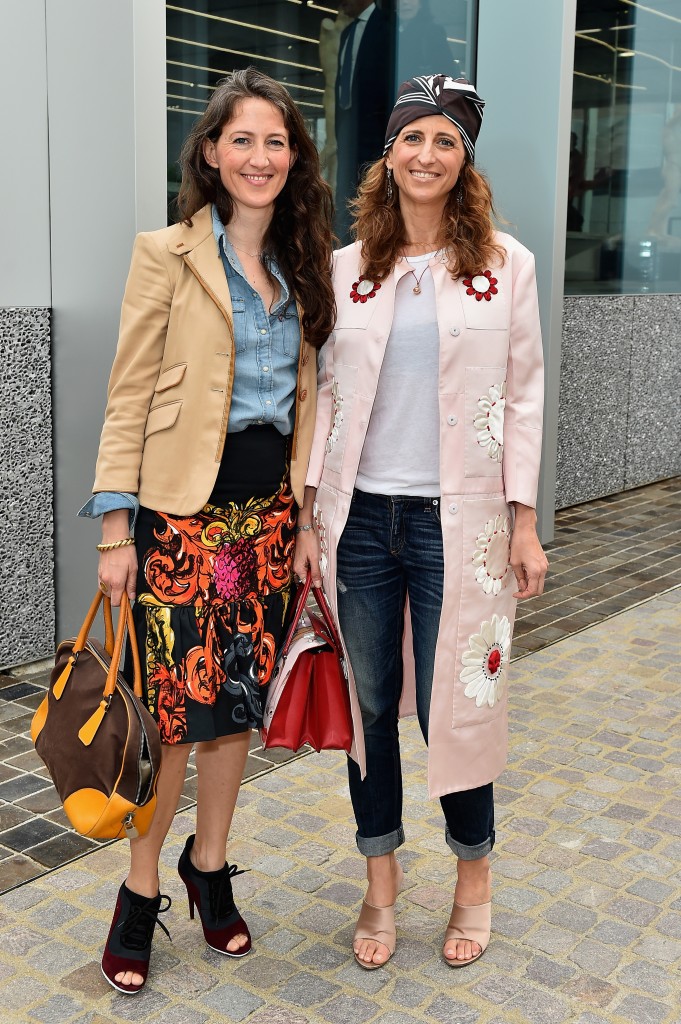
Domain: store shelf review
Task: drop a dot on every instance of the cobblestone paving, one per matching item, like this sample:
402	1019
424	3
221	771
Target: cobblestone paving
607	555
587	896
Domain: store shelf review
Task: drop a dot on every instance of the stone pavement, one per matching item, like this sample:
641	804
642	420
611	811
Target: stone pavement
607	555
587	895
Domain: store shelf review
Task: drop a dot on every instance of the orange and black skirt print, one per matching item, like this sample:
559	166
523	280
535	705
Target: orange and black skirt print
213	592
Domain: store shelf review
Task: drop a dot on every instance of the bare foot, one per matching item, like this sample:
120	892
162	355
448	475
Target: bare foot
473	888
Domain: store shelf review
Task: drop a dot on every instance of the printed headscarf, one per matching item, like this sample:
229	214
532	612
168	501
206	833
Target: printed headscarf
437	94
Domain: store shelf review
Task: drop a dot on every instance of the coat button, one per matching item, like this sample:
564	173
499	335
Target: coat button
452	420
455	331
453	508
263	330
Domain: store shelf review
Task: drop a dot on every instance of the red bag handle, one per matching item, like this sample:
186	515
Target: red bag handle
299	602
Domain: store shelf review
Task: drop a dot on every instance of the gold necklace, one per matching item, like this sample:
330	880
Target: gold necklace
255	255
417	287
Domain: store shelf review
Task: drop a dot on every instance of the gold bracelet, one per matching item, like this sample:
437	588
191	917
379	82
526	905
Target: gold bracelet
126	542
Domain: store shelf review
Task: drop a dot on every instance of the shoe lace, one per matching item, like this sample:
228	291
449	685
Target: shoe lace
138	929
220	896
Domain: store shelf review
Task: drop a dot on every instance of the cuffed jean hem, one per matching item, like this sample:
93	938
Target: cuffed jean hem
469	852
378	846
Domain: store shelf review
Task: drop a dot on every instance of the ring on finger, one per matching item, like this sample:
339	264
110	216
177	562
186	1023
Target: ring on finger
103	587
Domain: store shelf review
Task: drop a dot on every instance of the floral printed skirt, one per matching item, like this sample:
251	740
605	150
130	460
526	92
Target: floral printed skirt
213	592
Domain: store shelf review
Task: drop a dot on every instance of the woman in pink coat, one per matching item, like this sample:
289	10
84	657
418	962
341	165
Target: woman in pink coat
421	494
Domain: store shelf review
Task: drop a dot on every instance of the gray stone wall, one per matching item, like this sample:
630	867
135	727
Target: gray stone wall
619	424
26	538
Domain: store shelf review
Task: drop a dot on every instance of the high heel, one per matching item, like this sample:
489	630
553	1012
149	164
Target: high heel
211	893
128	945
377	924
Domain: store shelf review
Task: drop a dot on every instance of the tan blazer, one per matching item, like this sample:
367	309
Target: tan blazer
171	383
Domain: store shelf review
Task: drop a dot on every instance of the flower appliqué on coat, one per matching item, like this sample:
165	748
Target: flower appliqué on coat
321	534
492	555
489	421
483	286
364	289
486	661
337	416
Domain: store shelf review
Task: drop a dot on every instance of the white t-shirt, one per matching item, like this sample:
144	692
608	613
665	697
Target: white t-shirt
401	453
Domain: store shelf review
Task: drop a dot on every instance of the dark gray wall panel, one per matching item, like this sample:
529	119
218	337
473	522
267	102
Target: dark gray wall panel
654	427
594	388
26	537
619	425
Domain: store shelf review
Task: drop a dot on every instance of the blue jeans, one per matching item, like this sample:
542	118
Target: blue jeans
392	547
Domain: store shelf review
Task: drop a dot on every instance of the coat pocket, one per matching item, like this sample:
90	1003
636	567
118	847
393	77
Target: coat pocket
170	378
162	417
485	404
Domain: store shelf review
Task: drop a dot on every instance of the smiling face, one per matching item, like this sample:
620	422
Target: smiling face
426	158
253	154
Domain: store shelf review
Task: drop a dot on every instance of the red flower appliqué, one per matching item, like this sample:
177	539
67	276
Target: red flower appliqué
483	286
364	289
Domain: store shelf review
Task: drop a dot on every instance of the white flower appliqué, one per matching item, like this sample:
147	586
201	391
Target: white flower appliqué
337	416
323	543
486	661
492	555
489	421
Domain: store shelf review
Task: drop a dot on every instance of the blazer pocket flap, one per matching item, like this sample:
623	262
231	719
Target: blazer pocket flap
171	377
485	305
162	417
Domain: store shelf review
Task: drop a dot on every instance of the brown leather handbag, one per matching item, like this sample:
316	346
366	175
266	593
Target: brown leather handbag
100	743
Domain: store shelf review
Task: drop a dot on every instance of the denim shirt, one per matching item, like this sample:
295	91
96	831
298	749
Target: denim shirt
267	346
266	364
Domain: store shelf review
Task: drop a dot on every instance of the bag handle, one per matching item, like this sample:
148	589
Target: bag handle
113	645
300	602
320	598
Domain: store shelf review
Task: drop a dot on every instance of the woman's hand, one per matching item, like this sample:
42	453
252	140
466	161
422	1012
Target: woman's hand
307	542
118	568
307	557
528	561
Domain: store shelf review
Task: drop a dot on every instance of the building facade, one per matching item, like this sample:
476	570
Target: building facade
581	140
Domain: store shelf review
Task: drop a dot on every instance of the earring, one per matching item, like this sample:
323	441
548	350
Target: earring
459	194
389	185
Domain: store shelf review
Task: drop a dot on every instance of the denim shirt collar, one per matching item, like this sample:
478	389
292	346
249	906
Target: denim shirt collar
230	257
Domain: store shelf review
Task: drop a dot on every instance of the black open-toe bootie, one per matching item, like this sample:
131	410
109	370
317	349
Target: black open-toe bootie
211	892
128	946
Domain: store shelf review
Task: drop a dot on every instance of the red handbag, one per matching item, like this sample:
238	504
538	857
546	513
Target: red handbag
308	699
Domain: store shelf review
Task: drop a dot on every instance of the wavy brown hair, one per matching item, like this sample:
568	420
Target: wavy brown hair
467	225
300	234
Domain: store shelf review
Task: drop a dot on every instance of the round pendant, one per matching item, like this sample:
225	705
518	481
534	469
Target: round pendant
416	289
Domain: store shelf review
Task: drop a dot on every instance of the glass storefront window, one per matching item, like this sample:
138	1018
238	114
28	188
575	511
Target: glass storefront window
298	43
624	194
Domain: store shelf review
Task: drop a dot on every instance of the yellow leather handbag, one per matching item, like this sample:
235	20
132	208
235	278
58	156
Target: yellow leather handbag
100	743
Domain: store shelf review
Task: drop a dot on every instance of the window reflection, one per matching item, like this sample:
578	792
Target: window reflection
303	44
624	191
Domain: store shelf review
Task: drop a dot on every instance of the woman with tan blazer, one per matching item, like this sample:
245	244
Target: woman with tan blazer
204	452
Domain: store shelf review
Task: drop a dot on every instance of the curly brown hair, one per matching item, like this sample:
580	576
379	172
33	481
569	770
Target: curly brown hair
299	236
467	224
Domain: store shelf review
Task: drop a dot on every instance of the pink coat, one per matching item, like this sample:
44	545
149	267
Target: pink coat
490	397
